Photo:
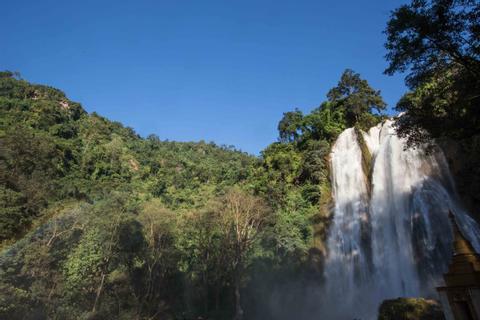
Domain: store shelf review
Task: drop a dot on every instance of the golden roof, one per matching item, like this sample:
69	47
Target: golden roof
464	270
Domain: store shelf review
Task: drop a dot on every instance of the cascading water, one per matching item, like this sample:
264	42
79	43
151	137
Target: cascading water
391	235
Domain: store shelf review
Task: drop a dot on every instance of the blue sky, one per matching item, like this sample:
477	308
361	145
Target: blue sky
222	71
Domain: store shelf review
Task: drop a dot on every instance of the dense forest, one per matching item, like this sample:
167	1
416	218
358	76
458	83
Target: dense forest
97	222
114	224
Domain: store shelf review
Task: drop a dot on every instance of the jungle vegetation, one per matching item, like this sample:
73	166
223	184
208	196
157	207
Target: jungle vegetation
97	222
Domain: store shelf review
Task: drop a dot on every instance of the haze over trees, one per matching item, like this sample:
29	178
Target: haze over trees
97	222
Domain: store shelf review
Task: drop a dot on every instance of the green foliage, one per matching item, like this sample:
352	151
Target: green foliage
443	107
355	96
18	304
299	161
31	166
426	36
290	125
351	103
437	42
325	122
51	150
83	264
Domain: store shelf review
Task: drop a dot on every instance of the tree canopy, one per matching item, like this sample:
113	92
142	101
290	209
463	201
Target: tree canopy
437	43
355	96
353	102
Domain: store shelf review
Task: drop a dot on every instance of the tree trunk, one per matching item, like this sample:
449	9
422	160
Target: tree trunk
217	298
99	292
238	306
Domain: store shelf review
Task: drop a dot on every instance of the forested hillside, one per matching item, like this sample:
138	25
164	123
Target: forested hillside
97	222
53	150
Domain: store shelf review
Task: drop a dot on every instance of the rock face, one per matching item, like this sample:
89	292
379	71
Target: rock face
410	309
463	158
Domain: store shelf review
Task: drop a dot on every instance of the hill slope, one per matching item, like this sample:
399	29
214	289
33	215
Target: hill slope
97	222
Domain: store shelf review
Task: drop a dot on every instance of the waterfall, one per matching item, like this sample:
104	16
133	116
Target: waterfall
390	236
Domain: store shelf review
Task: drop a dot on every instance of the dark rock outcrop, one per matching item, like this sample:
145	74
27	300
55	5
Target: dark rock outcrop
463	158
410	309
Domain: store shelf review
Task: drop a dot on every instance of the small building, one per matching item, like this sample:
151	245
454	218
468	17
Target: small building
460	297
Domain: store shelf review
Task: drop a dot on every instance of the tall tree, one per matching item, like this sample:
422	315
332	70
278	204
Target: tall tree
355	96
161	257
242	218
290	126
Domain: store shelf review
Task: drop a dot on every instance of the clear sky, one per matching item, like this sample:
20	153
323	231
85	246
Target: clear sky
222	71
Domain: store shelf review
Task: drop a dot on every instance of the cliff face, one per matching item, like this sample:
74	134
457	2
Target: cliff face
464	160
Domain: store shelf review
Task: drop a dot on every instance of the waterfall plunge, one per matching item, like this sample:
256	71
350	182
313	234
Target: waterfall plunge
395	241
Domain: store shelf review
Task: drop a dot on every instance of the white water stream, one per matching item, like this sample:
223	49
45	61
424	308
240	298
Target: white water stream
395	241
